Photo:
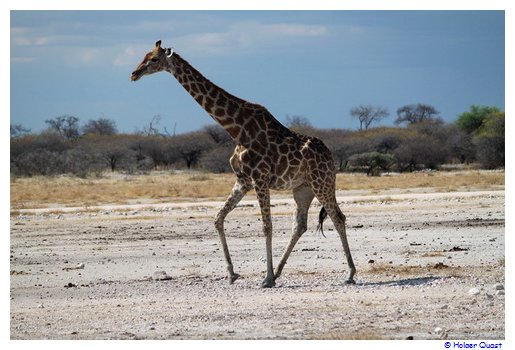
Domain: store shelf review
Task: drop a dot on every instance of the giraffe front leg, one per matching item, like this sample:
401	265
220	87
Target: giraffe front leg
263	194
241	187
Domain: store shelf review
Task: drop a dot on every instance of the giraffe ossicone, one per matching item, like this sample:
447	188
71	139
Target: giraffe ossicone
267	156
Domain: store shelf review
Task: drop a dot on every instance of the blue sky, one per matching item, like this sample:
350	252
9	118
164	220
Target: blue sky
317	64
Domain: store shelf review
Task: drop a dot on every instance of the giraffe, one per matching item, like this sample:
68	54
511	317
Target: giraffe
267	156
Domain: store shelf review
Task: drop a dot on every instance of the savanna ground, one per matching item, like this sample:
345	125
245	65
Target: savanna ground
86	256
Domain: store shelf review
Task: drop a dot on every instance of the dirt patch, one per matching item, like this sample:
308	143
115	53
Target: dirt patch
425	261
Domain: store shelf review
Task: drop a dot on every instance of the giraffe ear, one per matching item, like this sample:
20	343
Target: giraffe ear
158	43
169	52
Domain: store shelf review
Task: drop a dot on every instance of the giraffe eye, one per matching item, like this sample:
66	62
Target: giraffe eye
154	59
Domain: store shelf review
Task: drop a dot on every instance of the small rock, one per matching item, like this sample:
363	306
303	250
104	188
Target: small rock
160	276
473	291
499	292
444	307
498	286
440	333
80	266
440	265
489	296
41	306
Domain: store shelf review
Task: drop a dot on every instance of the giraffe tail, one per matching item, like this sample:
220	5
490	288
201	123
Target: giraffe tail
321	217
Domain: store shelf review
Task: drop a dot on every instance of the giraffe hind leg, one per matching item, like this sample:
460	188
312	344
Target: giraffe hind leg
303	197
338	219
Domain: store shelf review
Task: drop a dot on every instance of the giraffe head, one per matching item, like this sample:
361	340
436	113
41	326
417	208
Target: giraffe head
153	62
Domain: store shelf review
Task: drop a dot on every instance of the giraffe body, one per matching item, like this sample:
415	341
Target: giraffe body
267	156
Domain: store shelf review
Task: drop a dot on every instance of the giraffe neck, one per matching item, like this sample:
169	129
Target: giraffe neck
232	113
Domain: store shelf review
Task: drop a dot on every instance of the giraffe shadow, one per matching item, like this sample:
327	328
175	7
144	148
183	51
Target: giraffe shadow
406	282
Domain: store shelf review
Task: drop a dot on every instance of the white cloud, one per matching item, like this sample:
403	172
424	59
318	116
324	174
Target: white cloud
129	56
249	36
24	36
87	56
22	41
208	36
22	59
295	30
44	40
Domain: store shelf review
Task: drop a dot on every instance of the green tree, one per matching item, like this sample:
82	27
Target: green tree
489	141
472	120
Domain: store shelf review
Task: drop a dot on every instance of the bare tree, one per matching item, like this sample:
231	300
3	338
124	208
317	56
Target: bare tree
66	125
218	134
368	114
412	114
17	130
217	159
101	126
110	149
297	122
420	151
153	127
151	148
189	147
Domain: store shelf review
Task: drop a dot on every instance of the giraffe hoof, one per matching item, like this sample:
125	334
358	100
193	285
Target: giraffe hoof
350	281
267	283
233	277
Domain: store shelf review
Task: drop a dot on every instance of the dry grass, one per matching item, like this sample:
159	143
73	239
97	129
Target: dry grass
434	254
166	186
117	188
445	181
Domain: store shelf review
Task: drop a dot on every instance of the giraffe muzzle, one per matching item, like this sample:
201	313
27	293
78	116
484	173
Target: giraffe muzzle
135	75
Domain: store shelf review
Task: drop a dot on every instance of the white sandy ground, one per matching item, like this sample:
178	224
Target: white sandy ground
418	256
